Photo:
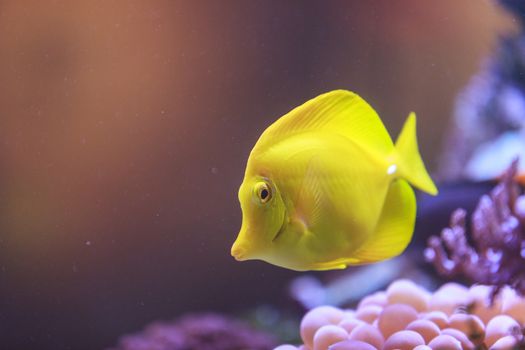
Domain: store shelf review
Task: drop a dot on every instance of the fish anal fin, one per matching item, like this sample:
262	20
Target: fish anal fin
395	226
336	265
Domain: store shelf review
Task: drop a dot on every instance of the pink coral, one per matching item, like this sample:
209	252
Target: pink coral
453	317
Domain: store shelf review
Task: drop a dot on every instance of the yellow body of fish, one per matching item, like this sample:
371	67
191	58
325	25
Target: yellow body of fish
325	187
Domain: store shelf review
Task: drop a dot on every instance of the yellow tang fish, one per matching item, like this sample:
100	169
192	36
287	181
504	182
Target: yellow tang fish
325	187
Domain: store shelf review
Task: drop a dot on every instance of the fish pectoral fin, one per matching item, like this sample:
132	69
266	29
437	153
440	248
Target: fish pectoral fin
395	227
310	198
298	225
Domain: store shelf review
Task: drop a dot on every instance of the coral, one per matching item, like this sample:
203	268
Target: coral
407	316
197	332
497	254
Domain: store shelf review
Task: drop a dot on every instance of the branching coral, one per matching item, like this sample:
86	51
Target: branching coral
496	254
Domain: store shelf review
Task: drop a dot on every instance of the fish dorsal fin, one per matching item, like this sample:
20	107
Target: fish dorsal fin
341	112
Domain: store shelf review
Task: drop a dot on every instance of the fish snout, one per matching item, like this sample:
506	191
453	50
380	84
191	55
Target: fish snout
238	252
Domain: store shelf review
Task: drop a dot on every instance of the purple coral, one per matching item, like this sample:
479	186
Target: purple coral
496	254
198	332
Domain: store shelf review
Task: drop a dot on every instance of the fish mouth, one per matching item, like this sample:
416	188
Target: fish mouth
238	252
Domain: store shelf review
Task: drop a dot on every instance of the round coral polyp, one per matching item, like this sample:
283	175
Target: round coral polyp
406	316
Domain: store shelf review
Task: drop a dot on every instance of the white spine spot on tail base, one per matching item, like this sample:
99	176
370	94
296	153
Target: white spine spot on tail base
391	169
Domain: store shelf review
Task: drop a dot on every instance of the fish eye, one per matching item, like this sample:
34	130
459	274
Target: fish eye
263	192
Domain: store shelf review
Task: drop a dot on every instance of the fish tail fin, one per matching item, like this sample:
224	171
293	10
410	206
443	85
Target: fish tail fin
408	159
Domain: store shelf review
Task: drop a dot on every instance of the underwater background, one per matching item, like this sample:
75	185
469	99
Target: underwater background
125	128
